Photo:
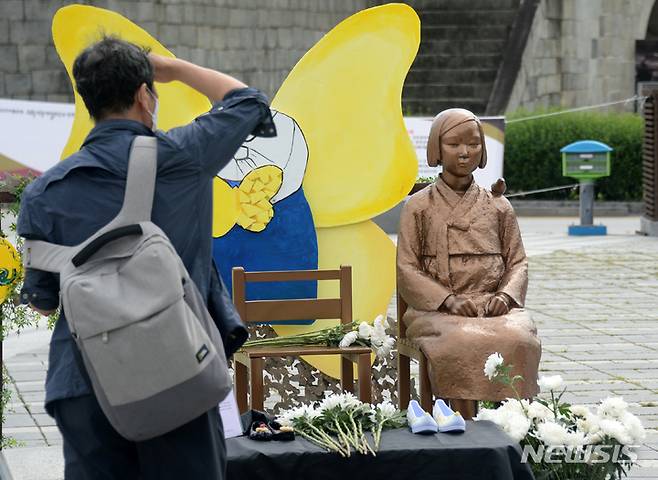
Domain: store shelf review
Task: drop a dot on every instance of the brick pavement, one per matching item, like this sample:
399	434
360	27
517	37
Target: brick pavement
597	311
596	306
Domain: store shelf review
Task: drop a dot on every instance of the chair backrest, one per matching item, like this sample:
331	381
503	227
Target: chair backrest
402	308
263	311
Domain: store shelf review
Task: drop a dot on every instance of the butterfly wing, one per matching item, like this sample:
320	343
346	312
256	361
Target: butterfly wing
345	93
77	26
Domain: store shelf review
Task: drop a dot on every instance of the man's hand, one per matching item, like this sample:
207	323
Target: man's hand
460	306
498	305
162	68
45	313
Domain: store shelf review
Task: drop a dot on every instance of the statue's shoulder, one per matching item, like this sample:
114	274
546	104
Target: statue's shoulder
420	199
501	203
496	198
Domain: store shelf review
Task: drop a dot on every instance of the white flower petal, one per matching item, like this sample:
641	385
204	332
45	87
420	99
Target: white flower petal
550	383
348	339
492	364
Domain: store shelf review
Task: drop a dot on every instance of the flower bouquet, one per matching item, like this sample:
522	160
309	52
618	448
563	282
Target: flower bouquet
339	423
564	441
355	333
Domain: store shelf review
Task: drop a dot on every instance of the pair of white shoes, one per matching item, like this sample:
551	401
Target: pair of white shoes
442	420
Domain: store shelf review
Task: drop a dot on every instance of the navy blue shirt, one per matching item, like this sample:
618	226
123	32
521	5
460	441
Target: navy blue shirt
81	194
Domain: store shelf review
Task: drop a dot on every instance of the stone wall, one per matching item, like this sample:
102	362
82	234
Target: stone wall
258	41
580	52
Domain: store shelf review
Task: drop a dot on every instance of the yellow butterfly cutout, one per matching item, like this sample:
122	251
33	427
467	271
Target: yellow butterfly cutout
249	204
11	269
345	93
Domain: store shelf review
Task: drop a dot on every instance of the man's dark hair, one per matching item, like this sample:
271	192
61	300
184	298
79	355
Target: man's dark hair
108	73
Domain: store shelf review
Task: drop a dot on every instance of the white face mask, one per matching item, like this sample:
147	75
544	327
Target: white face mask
154	113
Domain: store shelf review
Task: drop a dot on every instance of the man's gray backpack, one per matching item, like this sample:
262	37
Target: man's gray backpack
153	353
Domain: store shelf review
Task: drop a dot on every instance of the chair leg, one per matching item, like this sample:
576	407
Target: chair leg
467	408
256	383
425	387
346	375
404	381
240	385
365	378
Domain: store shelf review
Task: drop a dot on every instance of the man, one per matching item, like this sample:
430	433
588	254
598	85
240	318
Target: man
81	194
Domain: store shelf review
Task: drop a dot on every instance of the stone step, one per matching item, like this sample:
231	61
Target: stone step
472	92
460	4
432	33
451	75
463	47
432	106
427	61
456	90
467	17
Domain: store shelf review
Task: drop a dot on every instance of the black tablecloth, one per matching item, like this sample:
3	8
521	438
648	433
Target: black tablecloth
482	452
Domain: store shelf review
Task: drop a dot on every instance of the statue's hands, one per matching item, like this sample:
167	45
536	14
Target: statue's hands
460	306
498	305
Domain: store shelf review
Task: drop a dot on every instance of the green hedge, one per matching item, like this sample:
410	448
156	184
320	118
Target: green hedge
533	159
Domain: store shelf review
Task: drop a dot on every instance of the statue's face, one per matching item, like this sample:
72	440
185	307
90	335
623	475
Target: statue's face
461	149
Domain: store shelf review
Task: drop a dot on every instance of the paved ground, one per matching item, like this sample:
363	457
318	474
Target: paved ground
595	301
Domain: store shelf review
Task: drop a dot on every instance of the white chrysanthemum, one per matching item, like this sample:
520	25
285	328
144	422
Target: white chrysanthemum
553	434
288	417
539	411
348	339
330	402
580	411
509	417
387	409
348	400
490	414
615	429
612	407
634	427
588	424
517	426
385	349
552	383
575	439
365	331
594	439
378	335
491	365
382	411
514	406
344	401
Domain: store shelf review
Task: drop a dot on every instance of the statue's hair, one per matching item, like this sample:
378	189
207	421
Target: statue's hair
442	124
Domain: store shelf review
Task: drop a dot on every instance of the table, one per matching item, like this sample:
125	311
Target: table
482	452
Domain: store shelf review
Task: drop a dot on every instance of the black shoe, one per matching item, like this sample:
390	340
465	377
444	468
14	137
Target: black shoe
281	433
259	431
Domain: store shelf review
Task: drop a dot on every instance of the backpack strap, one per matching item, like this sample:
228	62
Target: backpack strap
137	204
140	184
46	256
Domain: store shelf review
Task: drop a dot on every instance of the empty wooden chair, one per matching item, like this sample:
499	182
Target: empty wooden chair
248	362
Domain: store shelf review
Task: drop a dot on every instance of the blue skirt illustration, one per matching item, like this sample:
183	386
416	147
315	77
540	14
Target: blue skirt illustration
274	229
